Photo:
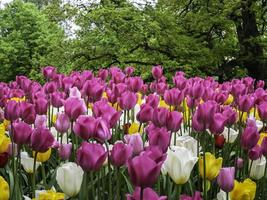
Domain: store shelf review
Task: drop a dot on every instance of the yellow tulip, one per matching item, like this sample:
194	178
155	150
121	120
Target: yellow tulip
244	116
104	95
213	166
139	98
18	99
4	188
116	106
4	142
251	112
244	190
262	135
51	195
229	100
134	128
54	119
163	104
6	124
2	129
43	157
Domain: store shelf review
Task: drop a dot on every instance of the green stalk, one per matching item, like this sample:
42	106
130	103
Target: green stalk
44	176
33	175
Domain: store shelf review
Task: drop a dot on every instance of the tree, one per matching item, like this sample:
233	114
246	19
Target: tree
28	40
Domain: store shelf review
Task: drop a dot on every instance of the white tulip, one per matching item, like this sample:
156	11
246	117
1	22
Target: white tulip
257	168
69	178
222	196
187	142
232	135
179	164
27	162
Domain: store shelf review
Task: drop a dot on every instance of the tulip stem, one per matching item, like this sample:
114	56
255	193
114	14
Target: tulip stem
141	193
109	173
227	195
44	176
118	182
33	174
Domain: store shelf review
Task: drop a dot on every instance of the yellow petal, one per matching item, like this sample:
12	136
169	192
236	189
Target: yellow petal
4	188
134	128
4	143
43	157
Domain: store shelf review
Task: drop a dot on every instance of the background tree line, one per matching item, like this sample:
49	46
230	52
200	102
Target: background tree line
224	38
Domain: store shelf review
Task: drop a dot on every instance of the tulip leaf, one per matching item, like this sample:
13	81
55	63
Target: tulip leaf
128	183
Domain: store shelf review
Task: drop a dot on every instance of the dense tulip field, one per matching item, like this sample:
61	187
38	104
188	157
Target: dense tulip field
110	135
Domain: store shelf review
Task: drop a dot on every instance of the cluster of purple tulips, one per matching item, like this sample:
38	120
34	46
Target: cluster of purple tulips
110	135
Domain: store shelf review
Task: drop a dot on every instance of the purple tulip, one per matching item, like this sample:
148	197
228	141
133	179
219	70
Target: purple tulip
180	82
41	139
238	89
129	71
160	88
50	87
226	179
250	136
67	83
239	163
40	121
255	152
196	196
217	124
135	141
27	112
93	90
102	131
119	89
196	90
155	153
64	151
148	194
49	72
120	154
41	106
262	108
159	137
264	146
260	84
159	117
152	100
145	113
144	89
135	83
157	72
74	107
103	74
85	127
128	100
91	156
21	133
221	97
143	171
173	97
208	94
245	103
62	124
57	99
230	115
174	121
12	110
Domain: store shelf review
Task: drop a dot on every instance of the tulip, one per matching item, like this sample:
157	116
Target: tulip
213	166
244	190
159	117
159	137
12	110
57	99
69	177
255	153
196	196
257	168
135	83
43	157
28	162
187	142
91	156
264	146
75	92
179	164
155	153
173	97
102	131
40	121
28	113
196	90
174	121
152	100
219	141
4	188
129	71
120	154
64	151
41	106
3	159
103	74
148	194
179	81
157	72
93	90
49	72
4	143
245	103
226	179
128	100
41	139
145	113
262	108
149	173
250	136
21	133
230	115
230	135
260	84
239	163
62	124
135	141
74	107
85	127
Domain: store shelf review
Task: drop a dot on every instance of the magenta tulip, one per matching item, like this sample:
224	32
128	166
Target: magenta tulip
85	127
239	163
64	151
217	124
152	100
129	71
41	106
74	107
62	124
102	131
148	194
264	146
103	74
135	83
173	97
159	117
128	100
27	112
174	121
91	156
230	115
262	108
21	133
159	137
12	110
135	141
57	99
157	72
120	154
245	103
255	152
226	178
41	139
49	72
250	136
145	114
40	121
196	196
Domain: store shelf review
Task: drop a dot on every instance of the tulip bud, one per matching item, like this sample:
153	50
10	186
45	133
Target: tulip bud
57	99
41	106
245	103
69	178
12	110
74	107
255	153
135	83
219	141
21	133
49	72
103	74
174	121
85	127
159	117
157	72
239	163
128	100
226	179
120	154
129	71
145	113
41	139
250	136
102	131
62	124
64	151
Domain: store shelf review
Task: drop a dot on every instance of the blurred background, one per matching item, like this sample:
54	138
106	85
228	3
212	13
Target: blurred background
220	38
